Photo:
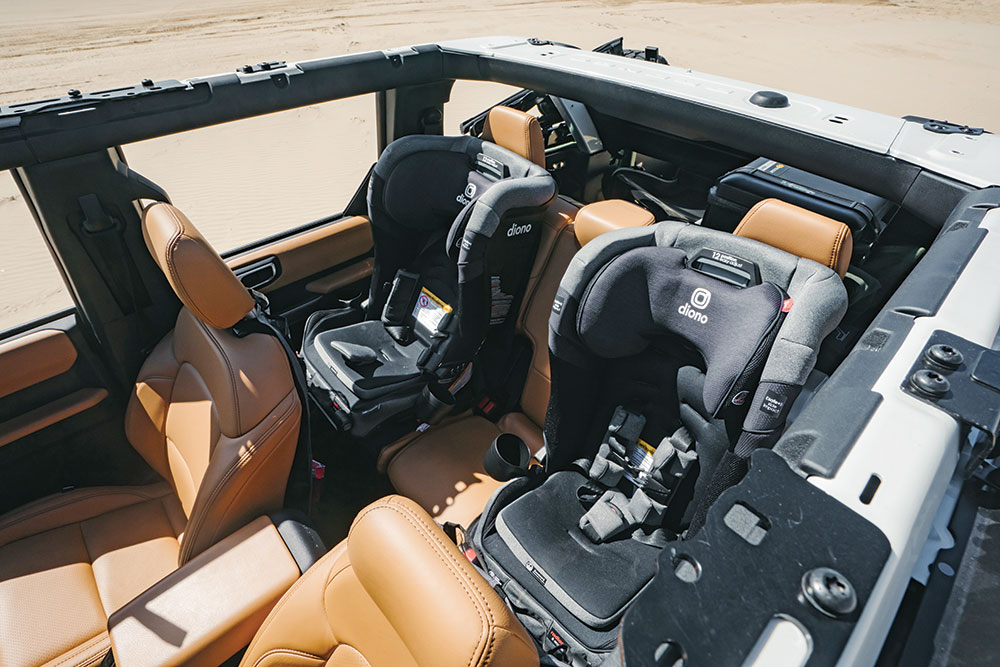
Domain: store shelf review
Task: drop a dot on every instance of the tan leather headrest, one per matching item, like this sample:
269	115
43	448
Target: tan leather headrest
199	277
594	219
516	131
799	232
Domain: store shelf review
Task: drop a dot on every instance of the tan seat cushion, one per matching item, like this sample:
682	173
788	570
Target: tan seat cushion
395	593
68	561
442	469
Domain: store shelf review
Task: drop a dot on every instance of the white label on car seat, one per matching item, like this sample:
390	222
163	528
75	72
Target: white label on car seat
429	310
640	457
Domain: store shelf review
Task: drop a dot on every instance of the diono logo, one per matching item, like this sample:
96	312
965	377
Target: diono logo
466	197
517	230
700	298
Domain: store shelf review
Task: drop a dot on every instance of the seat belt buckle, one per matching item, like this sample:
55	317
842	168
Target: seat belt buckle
486	407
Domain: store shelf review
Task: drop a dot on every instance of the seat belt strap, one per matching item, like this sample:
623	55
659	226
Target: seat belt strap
610	463
615	512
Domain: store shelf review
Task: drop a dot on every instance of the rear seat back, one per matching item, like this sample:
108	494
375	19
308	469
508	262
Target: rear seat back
553	257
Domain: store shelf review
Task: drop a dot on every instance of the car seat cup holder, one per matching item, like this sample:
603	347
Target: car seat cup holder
508	457
436	401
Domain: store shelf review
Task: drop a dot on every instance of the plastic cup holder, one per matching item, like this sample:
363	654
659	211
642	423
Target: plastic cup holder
508	457
435	403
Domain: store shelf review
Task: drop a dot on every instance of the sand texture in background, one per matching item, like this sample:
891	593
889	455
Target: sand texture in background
245	180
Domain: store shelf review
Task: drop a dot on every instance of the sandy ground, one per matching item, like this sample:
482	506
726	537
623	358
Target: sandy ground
938	59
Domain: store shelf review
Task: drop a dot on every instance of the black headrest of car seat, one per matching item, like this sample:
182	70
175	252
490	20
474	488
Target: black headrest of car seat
647	293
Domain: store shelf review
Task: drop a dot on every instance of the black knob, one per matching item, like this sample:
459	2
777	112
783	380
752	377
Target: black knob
74	93
769	99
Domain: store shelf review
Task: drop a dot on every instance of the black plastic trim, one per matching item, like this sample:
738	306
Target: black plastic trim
302	540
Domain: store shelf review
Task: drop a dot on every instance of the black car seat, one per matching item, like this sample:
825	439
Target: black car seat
455	224
675	352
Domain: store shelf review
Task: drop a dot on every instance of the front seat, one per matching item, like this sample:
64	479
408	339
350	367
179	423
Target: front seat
216	415
396	593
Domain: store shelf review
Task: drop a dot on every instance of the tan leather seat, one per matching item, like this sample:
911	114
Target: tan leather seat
800	232
395	593
516	131
442	468
215	415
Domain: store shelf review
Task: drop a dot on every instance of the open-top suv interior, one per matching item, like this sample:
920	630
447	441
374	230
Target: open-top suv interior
578	386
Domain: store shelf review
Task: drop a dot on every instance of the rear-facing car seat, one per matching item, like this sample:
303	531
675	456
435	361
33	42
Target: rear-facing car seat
442	467
455	224
675	352
217	415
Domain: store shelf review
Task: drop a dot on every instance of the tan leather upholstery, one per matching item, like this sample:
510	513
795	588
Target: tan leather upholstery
68	561
216	415
51	413
604	216
199	277
396	593
516	131
33	358
799	232
208	610
314	250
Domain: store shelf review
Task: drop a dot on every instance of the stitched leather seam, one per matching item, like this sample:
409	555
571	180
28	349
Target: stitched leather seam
232	375
86	646
45	510
233	468
169	257
288	651
444	555
288	596
263	463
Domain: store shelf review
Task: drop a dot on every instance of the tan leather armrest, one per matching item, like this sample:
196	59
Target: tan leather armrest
210	608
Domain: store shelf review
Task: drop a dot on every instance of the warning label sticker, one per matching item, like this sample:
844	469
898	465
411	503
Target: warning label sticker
429	310
640	457
500	302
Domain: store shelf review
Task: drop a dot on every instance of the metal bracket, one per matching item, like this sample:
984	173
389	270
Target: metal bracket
277	71
962	379
74	99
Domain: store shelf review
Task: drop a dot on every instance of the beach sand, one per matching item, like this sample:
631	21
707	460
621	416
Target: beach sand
242	181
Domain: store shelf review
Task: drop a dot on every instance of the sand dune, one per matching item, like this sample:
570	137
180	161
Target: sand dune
248	179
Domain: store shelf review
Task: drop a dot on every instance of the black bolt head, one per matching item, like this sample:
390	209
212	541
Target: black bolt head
944	356
930	383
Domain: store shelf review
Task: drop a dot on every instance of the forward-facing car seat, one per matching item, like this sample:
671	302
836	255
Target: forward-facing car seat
675	352
455	224
216	415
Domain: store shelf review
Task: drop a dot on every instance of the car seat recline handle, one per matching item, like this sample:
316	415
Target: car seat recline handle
508	457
